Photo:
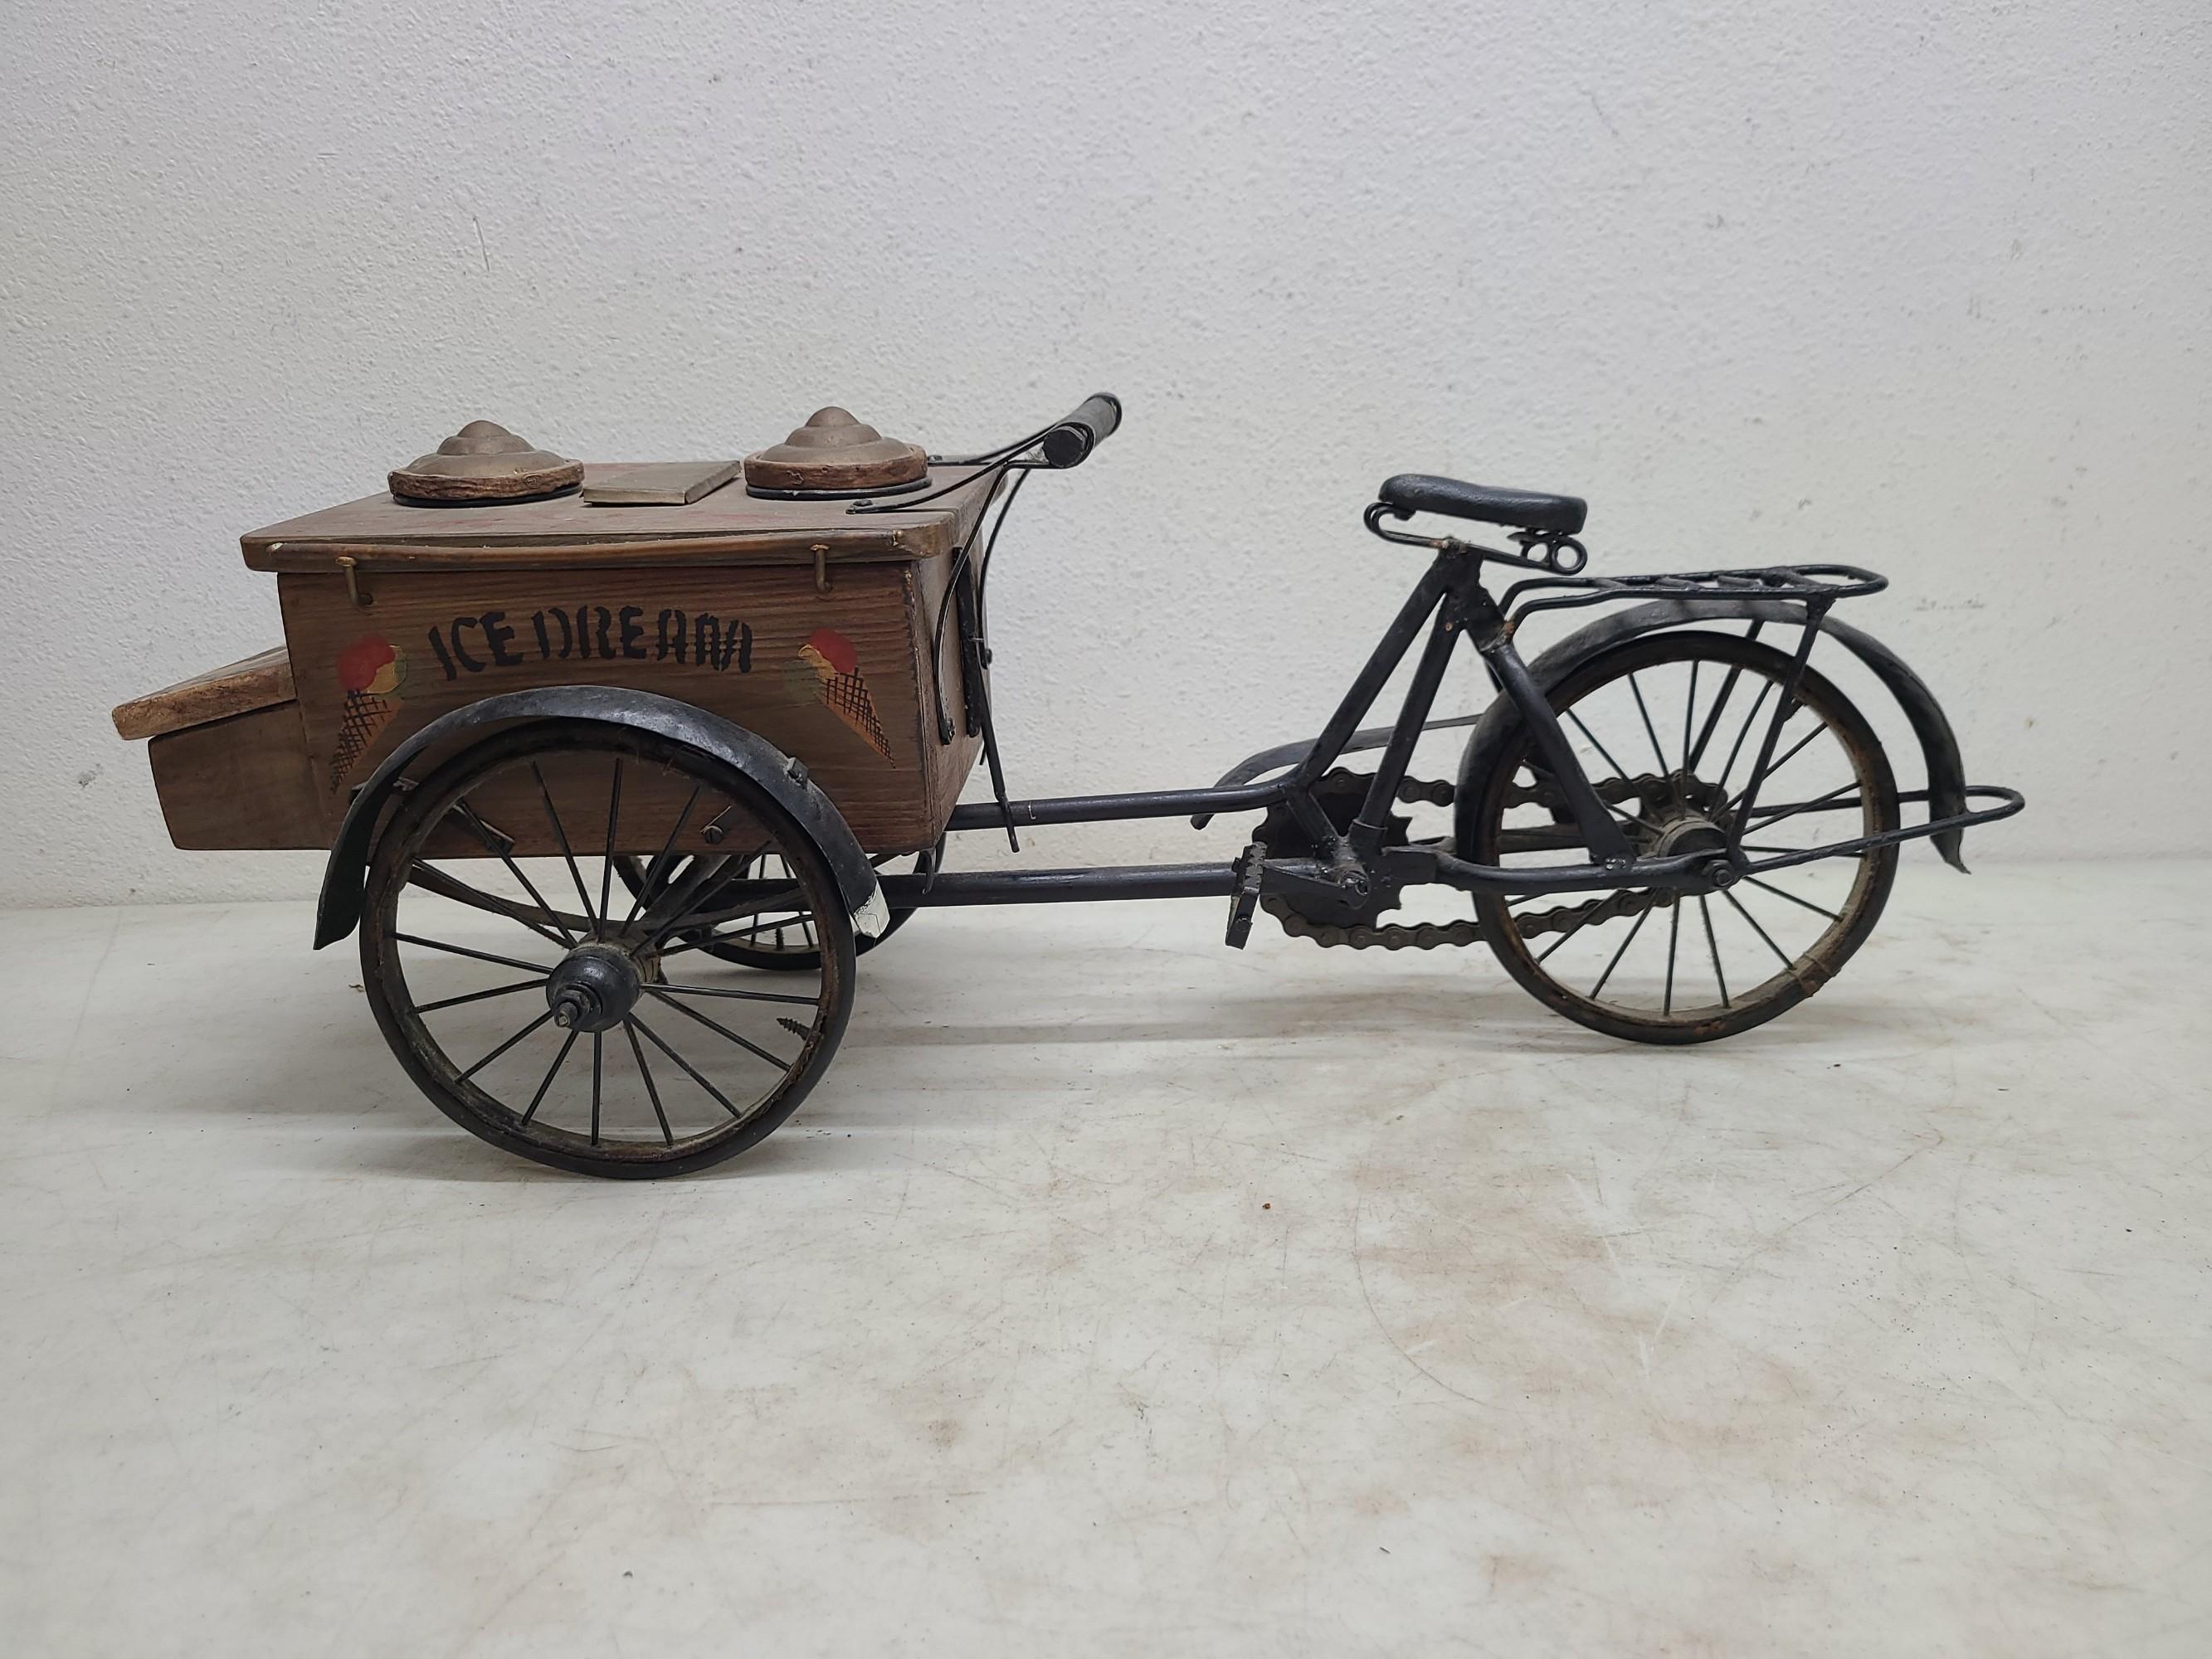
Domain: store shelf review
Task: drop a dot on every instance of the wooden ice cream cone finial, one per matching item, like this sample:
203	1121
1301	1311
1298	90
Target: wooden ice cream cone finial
484	462
835	454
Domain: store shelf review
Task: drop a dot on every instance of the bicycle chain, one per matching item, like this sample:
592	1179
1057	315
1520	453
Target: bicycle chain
1387	936
1645	786
1613	907
1429	935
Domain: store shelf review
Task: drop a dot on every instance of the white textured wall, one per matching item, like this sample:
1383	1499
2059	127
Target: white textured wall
1920	285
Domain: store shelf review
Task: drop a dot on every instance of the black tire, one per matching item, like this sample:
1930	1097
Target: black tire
1509	926
403	864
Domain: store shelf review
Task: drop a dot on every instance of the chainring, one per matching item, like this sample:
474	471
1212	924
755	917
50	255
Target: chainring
1359	927
1356	925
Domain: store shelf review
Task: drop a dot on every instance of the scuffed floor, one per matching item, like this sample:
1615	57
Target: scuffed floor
1120	1294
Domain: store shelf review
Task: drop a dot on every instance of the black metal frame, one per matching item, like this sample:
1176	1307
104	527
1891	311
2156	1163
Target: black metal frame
1449	601
1344	866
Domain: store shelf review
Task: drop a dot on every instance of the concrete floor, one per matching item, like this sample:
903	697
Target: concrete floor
1118	1294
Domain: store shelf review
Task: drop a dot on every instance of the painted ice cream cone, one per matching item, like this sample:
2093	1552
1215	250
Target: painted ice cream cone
370	671
836	668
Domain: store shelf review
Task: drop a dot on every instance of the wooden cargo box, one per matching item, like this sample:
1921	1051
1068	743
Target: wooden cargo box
809	625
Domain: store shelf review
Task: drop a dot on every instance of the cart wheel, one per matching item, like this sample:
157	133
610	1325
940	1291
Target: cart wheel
1646	964
486	989
782	942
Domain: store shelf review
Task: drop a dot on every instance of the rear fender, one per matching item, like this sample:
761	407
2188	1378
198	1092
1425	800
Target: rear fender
783	779
1938	747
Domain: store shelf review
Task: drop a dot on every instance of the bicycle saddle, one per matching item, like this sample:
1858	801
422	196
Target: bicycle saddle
1422	492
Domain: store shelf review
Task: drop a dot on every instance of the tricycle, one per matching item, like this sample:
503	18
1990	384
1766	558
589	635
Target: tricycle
616	803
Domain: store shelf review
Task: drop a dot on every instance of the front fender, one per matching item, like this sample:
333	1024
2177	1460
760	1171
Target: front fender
344	878
1939	746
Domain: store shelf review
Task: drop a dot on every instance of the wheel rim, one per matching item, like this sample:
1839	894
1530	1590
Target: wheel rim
551	1009
1670	730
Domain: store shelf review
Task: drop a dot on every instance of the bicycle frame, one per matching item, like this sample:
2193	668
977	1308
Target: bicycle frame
1449	601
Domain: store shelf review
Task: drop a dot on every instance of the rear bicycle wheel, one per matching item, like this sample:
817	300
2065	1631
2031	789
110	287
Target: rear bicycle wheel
1668	728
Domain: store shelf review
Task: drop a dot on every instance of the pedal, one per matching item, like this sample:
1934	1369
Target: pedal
1244	897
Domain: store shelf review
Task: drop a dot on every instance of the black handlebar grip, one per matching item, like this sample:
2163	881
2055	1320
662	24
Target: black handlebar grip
1074	439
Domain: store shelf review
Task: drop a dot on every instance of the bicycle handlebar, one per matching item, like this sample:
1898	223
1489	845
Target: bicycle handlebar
1070	442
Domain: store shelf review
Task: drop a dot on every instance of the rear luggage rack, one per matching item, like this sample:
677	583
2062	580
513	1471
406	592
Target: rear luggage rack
1822	584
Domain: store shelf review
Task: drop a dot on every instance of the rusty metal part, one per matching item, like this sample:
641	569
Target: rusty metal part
1677	810
1362	936
1613	907
1356	925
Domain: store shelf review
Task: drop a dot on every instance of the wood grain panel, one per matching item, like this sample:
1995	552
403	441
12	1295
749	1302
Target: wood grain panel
240	783
763	647
237	688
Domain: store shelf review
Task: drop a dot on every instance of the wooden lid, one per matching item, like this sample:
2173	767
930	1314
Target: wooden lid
483	462
727	527
834	454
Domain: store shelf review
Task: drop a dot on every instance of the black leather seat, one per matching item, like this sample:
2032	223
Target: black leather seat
1422	492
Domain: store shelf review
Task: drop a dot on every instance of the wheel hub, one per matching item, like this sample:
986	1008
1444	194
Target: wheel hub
594	988
1689	832
1688	815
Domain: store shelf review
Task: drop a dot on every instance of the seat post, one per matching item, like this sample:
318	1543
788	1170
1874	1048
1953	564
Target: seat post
1600	830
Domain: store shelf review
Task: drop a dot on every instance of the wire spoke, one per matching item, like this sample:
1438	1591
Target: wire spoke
1783	892
1619	770
504	846
476	996
743	996
1787	960
654	870
464	951
1795	749
431	879
599	1065
552	1072
1642	916
1573	927
1690	711
746	1043
1713	946
1652	731
749	908
780	925
1543	777
670	907
510	1043
1713	719
1743	731
561	836
734	936
690	1070
607	863
1768	818
629	1030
